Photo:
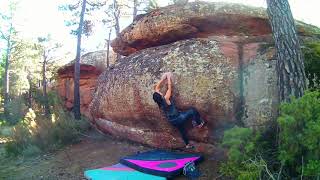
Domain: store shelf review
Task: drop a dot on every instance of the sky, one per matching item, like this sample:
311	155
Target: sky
41	17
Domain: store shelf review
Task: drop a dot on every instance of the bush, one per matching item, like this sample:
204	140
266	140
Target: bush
299	135
17	109
5	131
21	137
291	152
245	154
2	123
36	132
12	149
312	64
31	150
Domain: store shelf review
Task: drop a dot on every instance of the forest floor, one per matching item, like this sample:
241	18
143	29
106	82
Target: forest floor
94	151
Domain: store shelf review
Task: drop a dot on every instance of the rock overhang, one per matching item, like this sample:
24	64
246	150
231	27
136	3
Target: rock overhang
195	20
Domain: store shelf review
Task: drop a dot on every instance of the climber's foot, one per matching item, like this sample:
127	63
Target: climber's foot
201	124
189	146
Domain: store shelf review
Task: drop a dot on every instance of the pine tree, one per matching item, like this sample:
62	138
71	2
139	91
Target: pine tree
84	27
47	51
135	9
8	34
152	5
290	65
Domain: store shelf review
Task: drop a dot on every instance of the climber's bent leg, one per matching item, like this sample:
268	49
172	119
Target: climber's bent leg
183	133
193	114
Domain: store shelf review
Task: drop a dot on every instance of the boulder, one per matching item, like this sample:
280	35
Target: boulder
223	61
196	19
91	66
208	75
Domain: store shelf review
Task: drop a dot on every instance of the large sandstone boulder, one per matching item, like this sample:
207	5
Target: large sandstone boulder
208	75
91	66
223	62
196	19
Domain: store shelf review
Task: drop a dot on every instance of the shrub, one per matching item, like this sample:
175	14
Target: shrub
31	150
5	131
2	122
312	64
36	132
17	109
20	139
12	149
299	135
245	154
291	152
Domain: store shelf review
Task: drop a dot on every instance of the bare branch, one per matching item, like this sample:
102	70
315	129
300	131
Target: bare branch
124	5
302	164
15	44
75	6
3	36
279	174
97	4
264	165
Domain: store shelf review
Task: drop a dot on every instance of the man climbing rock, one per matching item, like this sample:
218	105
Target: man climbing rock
175	117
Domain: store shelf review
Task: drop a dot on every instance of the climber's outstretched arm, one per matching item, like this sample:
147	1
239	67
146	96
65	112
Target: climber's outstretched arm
157	87
169	91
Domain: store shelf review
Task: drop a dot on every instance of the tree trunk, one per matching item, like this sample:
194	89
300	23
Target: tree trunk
76	100
30	90
6	78
135	8
44	85
290	65
108	48
116	14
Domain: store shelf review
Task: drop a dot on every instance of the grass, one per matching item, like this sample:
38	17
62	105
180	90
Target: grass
70	162
5	133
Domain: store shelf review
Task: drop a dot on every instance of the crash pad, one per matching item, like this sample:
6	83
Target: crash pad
118	172
159	162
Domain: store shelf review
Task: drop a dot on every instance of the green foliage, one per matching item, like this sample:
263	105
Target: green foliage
5	131
2	123
291	152
299	125
243	161
2	58
20	140
17	109
25	61
234	139
179	2
312	63
75	10
31	150
152	5
12	149
307	29
37	133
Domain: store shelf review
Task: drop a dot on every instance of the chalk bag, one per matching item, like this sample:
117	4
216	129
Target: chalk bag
190	171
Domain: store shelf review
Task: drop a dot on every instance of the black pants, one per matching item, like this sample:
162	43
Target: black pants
178	122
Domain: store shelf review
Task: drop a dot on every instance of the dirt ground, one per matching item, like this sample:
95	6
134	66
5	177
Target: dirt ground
94	151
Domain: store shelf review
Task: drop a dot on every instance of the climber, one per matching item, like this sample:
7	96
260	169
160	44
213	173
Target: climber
175	117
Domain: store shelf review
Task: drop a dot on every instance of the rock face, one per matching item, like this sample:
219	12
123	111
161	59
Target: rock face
92	64
223	66
215	75
194	20
197	19
204	78
223	63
